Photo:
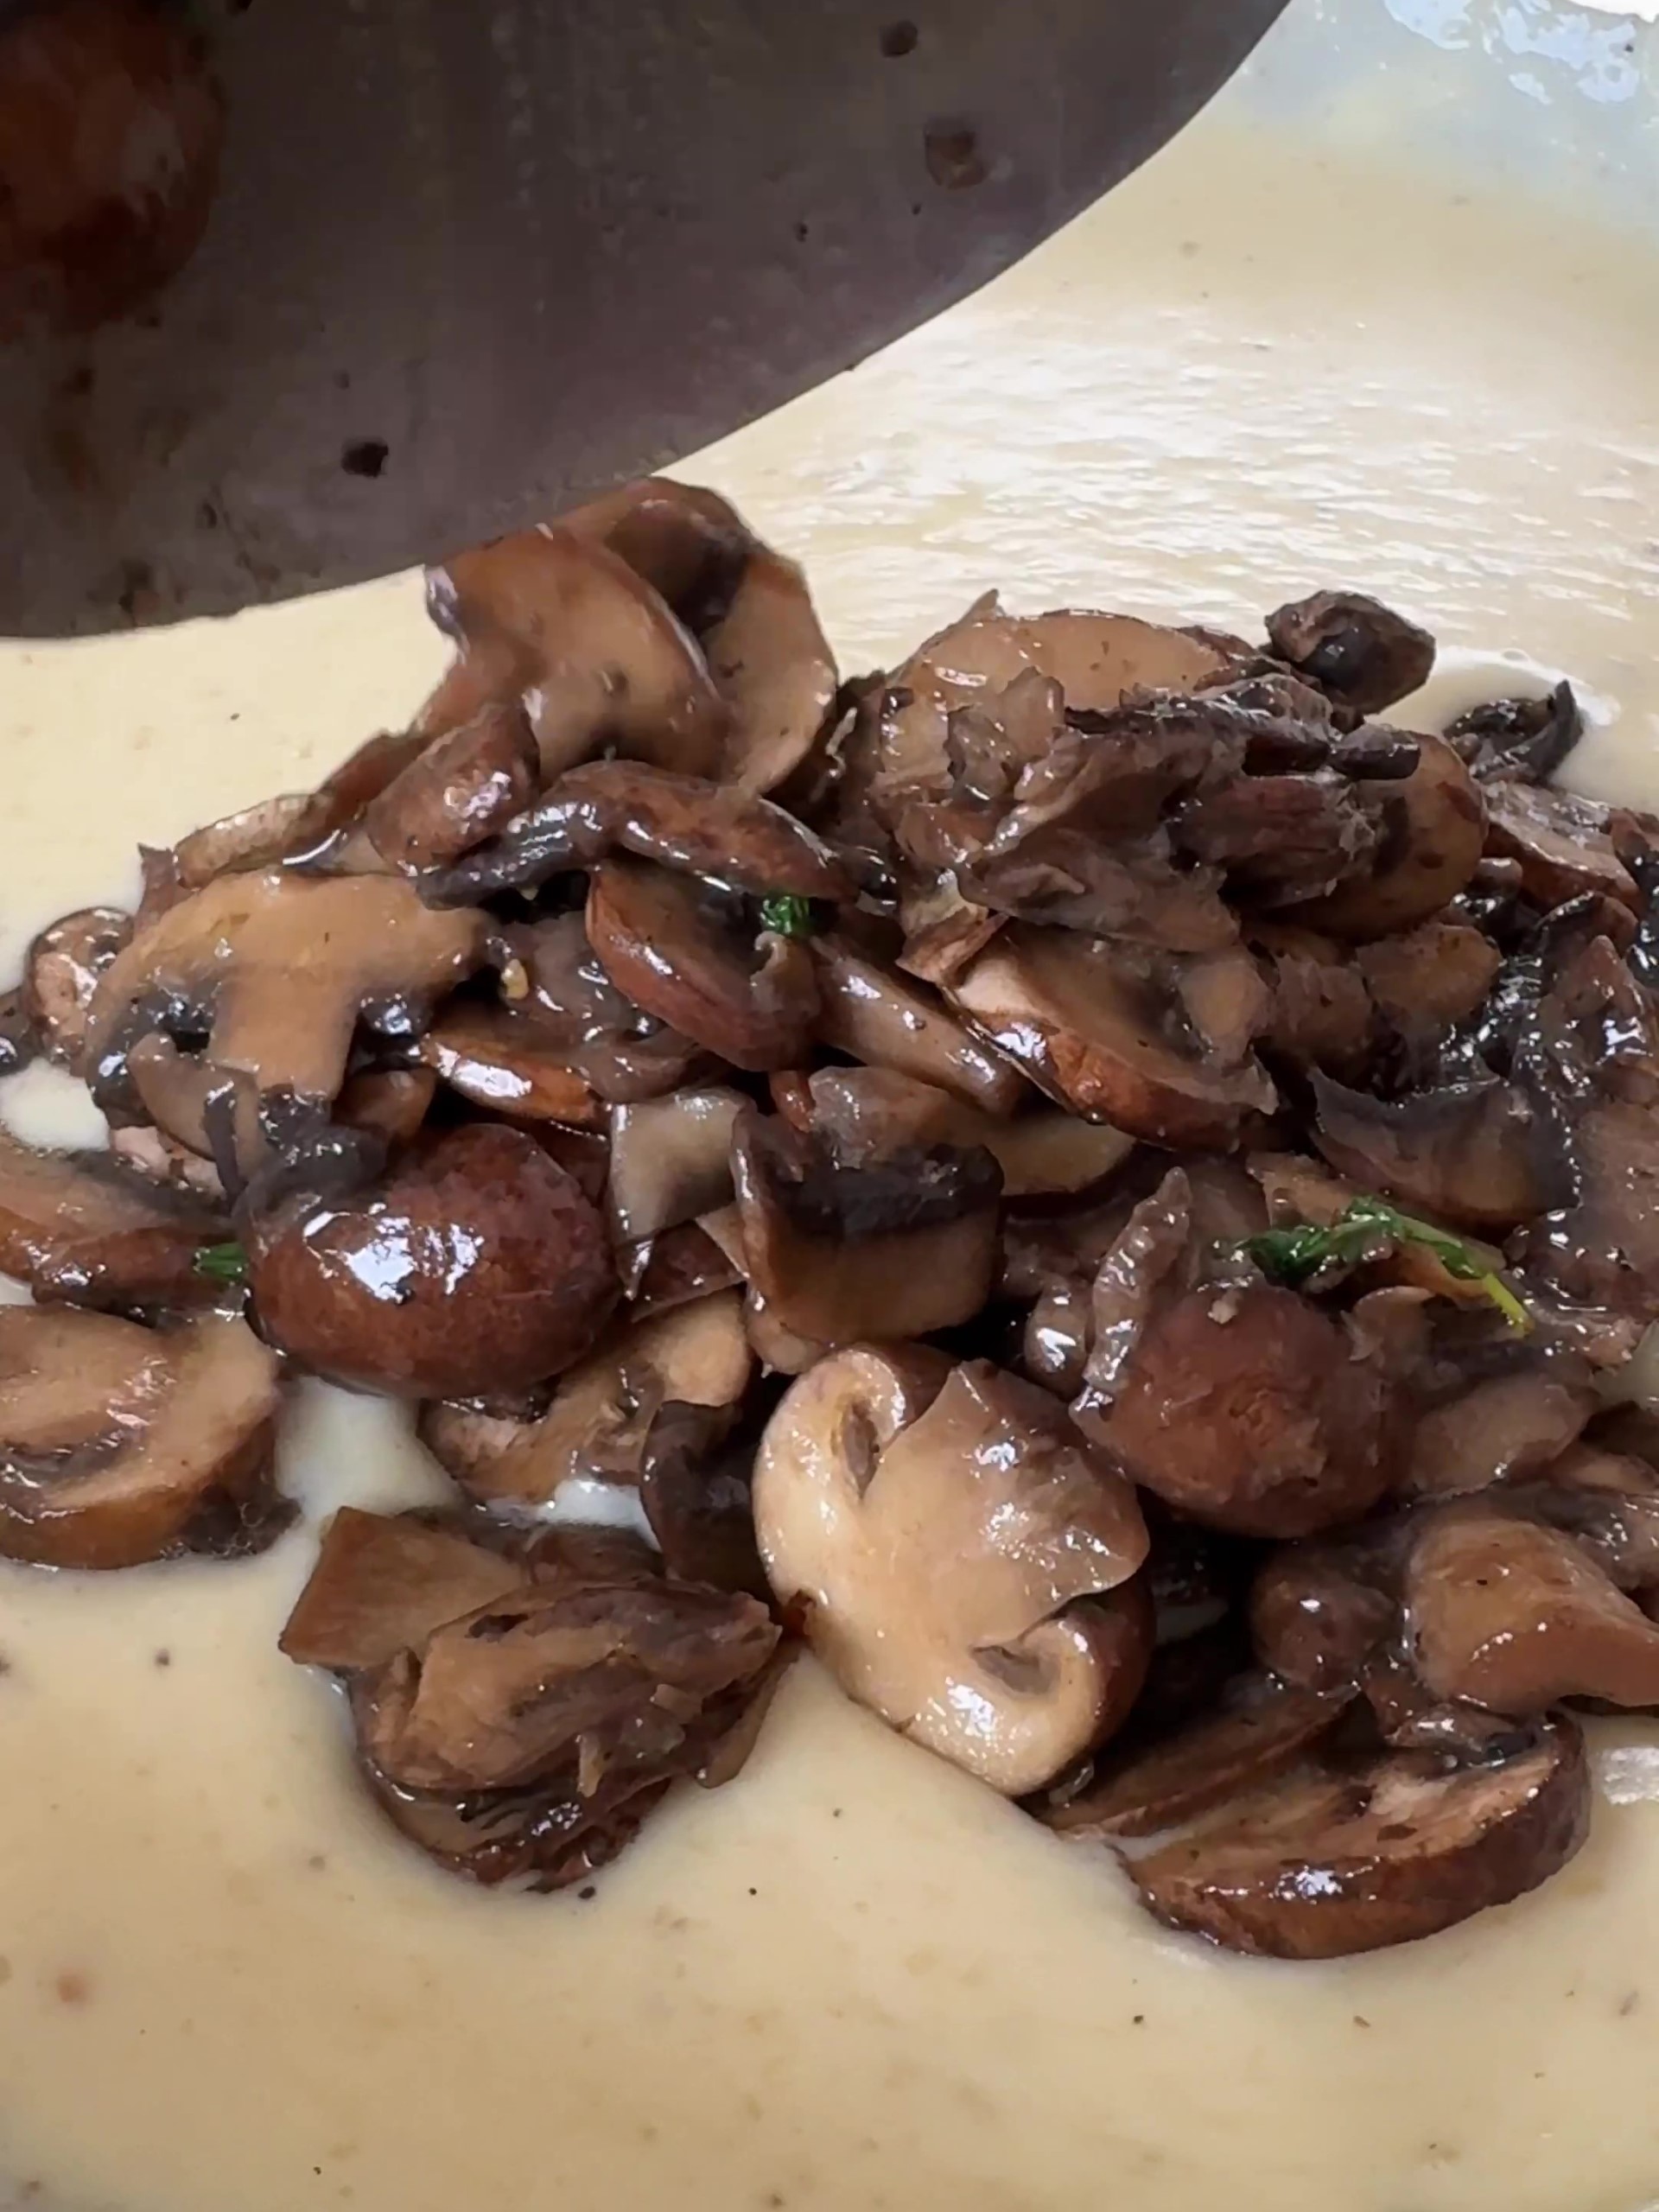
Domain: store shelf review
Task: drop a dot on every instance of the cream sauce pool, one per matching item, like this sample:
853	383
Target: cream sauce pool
855	1978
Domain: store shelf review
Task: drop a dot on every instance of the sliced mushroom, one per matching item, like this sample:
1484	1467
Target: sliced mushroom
1358	652
1106	1033
1251	1410
383	1583
1564	844
884	1019
463	787
392	1102
676	1268
1322	1015
1473	1153
893	1248
1320	1613
1424	982
555	980
597	1423
597	655
947	1534
72	1225
1330	1860
499	1059
1259	1729
684	956
279	968
475	1269
62	970
670	1160
1528	738
1433	831
1043	1153
1500	1430
120	1444
1516	1616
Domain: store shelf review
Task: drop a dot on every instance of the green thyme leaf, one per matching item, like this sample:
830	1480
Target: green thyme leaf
1292	1254
787	916
221	1262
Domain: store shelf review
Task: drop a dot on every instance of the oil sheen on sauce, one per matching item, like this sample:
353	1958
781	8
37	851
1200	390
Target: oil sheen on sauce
855	1978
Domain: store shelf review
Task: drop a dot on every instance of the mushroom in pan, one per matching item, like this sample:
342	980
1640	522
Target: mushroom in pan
1528	738
463	787
950	1543
79	1226
62	970
883	1018
120	1444
474	1268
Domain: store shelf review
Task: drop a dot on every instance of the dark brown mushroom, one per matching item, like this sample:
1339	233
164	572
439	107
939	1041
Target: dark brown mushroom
1042	1154
464	787
888	1021
120	1444
948	1534
1320	1612
554	980
62	970
1109	1033
1434	828
1565	844
1499	1430
690	959
1331	1860
383	1583
1425	981
598	657
1361	654
1322	1015
839	1251
1251	1410
474	1268
503	1060
1514	1616
74	1225
1473	1153
1528	738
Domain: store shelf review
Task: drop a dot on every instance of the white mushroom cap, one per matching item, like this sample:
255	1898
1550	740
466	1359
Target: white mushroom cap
941	1524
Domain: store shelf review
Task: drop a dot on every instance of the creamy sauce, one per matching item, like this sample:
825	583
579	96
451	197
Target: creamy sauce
855	1978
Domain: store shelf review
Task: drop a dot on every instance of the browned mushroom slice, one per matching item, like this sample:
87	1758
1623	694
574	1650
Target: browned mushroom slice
1279	840
695	1487
392	1101
1250	1409
1043	1153
1433	831
1322	1015
706	829
597	1421
1096	659
383	1583
677	1267
670	1160
886	1021
279	967
1425	981
61	973
893	1248
681	955
1320	1612
1104	1031
293	825
1260	1729
72	1225
1359	653
161	1159
120	1444
1564	844
1526	739
947	1531
597	654
1473	1153
1328	1860
1516	1616
943	930
749	608
1502	1429
475	1269
463	787
499	1059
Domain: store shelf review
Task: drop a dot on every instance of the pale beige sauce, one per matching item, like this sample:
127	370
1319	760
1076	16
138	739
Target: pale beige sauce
855	1978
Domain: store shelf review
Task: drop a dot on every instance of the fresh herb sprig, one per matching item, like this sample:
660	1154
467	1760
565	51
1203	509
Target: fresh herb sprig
226	1263
1296	1252
786	915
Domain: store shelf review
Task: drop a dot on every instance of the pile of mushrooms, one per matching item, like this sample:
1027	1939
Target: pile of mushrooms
1089	1180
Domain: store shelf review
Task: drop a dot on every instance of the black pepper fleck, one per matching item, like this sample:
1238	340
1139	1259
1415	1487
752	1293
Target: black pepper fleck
365	457
586	1891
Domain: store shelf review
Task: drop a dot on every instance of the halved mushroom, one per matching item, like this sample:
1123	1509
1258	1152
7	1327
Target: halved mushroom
120	1444
279	968
62	970
465	786
683	955
499	1059
597	1423
947	1534
1096	659
1515	1616
73	1225
749	606
1433	831
598	657
1332	1859
888	1021
1361	654
1106	1033
474	1268
670	1160
1502	1429
1473	1153
893	1247
1252	1410
1258	1730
